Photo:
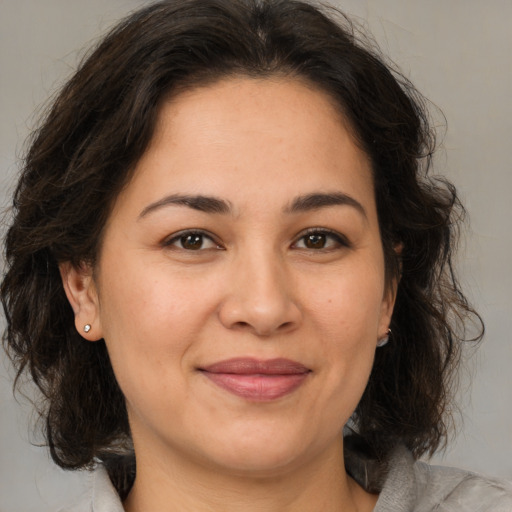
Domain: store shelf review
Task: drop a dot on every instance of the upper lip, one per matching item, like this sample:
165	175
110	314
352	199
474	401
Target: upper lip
252	366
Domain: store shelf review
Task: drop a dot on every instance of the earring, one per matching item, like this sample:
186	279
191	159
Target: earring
87	327
383	341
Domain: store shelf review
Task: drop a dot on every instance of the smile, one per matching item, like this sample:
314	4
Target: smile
257	380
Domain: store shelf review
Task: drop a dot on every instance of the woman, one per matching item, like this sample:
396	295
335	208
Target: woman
225	251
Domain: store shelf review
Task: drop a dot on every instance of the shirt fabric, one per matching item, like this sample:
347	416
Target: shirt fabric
409	486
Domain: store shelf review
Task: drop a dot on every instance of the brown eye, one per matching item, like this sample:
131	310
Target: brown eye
192	242
315	241
321	240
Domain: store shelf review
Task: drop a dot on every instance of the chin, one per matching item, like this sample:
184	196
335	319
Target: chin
262	456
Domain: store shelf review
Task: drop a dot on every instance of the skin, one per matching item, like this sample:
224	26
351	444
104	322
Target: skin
255	287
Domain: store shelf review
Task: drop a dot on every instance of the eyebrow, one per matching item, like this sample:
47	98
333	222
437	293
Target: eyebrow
210	204
317	200
201	203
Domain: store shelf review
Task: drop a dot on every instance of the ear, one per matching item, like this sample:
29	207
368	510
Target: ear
82	295
386	310
389	298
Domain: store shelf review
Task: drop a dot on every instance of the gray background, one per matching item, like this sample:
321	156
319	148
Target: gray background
456	51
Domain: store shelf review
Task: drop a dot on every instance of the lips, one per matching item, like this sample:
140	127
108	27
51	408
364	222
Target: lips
257	380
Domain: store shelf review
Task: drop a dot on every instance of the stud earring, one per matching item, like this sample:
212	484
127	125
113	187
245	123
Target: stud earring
87	327
383	341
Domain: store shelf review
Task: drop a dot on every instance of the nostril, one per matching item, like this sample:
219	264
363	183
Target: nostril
241	325
260	315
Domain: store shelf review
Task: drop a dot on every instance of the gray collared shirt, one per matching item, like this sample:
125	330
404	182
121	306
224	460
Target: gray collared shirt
409	486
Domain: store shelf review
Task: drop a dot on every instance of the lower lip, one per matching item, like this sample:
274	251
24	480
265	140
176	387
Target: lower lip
258	387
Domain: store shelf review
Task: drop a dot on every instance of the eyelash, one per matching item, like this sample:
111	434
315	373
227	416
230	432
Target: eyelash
328	233
169	242
338	238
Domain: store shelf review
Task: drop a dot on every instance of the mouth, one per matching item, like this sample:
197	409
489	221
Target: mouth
257	380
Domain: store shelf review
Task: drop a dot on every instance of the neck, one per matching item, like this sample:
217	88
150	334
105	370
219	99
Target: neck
178	484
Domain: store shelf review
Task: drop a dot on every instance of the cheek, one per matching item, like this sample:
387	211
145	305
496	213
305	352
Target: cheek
140	297
139	320
346	313
347	304
151	315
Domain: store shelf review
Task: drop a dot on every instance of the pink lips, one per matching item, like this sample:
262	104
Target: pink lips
257	380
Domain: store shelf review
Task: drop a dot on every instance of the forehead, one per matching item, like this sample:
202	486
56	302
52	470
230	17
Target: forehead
243	135
259	106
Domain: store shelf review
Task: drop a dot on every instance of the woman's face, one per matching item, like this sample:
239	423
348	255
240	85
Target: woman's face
240	287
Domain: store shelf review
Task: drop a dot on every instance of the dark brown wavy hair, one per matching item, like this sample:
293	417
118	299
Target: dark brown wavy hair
92	137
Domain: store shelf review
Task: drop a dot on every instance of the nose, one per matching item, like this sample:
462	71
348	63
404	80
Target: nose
260	298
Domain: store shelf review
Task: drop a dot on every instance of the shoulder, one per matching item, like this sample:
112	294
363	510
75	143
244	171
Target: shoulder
102	497
417	486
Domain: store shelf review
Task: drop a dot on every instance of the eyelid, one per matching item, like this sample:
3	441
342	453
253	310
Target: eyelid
341	239
174	237
171	239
